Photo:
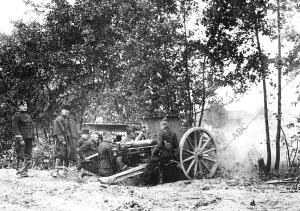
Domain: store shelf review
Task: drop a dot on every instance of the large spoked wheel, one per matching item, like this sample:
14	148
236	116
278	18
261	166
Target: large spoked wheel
198	153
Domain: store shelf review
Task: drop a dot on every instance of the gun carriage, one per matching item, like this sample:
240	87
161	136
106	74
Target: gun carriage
197	148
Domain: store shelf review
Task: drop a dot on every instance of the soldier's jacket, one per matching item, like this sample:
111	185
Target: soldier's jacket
88	148
106	163
82	141
64	128
167	144
22	124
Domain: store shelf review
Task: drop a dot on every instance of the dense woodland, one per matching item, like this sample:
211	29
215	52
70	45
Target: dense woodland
126	59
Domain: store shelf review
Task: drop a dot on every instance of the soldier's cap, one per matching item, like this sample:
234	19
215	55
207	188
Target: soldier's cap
66	106
95	132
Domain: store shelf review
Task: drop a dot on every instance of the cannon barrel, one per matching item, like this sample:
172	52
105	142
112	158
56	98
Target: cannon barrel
137	144
133	147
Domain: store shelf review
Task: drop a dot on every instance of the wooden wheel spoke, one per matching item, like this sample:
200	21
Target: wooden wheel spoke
200	140
204	145
211	160
188	151
195	169
190	166
204	164
195	140
198	153
190	158
190	142
207	151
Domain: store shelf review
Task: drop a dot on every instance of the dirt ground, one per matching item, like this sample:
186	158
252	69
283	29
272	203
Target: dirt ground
42	192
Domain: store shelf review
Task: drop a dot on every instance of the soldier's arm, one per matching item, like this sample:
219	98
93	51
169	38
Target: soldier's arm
175	141
58	132
84	148
15	126
176	147
159	144
113	159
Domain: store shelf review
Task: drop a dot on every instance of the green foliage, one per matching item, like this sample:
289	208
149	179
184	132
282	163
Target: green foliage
125	59
231	30
43	154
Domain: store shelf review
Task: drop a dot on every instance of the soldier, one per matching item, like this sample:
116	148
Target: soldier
87	149
130	160
165	150
65	135
107	163
130	134
22	127
84	137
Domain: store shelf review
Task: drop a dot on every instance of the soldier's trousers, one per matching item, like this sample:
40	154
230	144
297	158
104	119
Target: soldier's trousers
24	151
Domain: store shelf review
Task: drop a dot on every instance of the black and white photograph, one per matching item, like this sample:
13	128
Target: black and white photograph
141	105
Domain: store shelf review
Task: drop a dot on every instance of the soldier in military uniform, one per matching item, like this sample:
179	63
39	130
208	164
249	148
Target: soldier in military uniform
84	137
89	148
22	127
167	145
165	150
134	159
65	135
107	163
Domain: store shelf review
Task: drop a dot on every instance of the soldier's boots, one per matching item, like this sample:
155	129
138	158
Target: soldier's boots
23	171
19	165
55	174
160	177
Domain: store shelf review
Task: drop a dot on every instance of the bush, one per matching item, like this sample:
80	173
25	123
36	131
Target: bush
43	154
8	158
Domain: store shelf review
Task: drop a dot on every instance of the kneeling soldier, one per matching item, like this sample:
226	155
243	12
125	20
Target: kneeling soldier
89	148
107	162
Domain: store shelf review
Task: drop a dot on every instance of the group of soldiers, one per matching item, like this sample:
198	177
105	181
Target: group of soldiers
93	152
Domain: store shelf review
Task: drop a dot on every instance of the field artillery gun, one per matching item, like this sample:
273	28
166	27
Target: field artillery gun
197	147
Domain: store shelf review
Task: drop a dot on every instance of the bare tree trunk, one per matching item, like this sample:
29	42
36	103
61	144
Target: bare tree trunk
188	87
262	62
277	160
203	94
287	149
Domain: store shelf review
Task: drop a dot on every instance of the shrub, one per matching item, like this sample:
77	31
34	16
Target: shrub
43	154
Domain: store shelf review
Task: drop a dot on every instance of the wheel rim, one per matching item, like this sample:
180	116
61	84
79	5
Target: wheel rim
198	154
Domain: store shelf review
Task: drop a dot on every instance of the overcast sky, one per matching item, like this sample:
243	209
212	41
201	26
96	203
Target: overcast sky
10	10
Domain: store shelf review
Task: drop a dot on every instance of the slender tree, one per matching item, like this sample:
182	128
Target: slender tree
279	67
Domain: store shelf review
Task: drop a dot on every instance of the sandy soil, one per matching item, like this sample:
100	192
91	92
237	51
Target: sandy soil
42	192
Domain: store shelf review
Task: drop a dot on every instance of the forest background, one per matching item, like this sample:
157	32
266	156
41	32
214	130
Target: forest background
123	60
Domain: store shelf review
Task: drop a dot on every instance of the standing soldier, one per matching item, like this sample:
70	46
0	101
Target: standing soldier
65	135
22	126
107	163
